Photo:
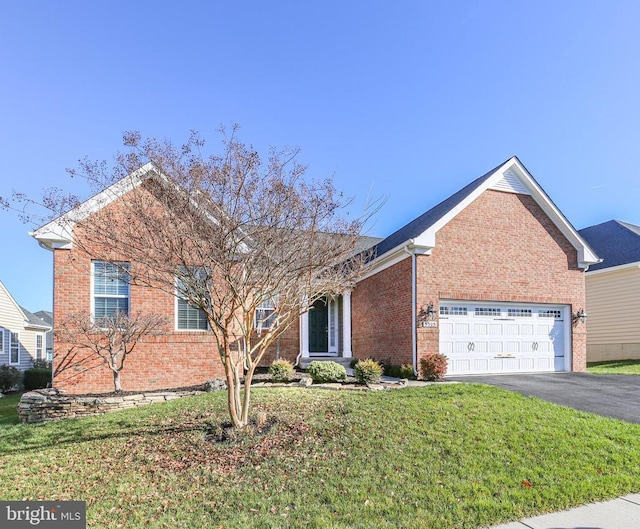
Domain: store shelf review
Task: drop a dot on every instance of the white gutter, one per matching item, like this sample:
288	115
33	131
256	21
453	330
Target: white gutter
626	266
414	341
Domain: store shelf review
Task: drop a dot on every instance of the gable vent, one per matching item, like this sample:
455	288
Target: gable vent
511	184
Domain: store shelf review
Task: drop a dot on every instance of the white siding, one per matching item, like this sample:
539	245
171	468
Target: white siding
12	320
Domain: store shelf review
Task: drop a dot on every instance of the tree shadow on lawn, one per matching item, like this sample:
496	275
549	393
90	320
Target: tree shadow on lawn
25	438
28	438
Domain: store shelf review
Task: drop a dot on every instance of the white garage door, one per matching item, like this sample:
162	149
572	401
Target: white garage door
503	338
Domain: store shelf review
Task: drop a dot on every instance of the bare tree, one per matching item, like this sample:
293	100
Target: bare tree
250	243
111	339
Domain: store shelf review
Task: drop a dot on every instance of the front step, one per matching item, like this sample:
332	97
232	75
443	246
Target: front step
305	361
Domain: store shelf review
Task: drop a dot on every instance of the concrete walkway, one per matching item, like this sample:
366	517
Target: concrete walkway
622	513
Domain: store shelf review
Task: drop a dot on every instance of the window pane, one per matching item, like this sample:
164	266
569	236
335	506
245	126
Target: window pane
265	313
110	280
107	307
192	284
190	318
110	289
14	357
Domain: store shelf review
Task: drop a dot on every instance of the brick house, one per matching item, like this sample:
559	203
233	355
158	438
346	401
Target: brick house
492	277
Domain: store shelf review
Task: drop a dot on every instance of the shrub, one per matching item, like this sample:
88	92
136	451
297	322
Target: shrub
391	370
403	371
406	371
10	377
326	371
41	363
37	378
353	362
433	366
367	371
281	370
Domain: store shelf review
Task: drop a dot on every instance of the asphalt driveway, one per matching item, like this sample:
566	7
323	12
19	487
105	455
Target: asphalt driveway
615	396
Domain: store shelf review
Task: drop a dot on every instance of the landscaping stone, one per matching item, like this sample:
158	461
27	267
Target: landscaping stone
51	405
44	405
217	384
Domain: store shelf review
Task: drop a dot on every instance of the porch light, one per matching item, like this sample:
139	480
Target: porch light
580	316
429	310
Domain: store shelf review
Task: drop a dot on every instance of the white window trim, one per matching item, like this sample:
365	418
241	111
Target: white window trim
267	304
175	312
93	293
42	354
17	334
177	327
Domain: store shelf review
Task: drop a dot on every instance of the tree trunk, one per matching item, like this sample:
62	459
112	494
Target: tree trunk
116	380
232	391
246	397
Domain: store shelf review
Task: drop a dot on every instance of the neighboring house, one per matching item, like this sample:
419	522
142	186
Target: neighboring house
492	277
613	285
47	317
22	334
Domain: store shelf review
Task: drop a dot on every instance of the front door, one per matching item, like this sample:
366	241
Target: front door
319	327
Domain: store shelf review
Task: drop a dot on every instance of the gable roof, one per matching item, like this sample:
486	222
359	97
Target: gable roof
45	315
419	225
30	320
510	176
58	233
617	242
35	321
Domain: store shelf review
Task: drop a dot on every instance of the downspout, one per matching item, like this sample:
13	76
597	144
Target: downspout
414	341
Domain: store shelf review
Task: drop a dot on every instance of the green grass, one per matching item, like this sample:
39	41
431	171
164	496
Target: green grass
9	409
614	367
444	456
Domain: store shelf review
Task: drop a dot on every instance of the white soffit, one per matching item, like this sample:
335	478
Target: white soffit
58	233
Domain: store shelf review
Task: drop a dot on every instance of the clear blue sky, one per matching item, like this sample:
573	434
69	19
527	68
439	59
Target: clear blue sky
409	100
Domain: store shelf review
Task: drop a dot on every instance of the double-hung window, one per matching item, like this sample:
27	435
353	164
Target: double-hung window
191	289
39	347
266	313
110	289
14	348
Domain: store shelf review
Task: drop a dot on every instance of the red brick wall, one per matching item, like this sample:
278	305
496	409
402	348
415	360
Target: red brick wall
381	315
180	358
177	359
502	247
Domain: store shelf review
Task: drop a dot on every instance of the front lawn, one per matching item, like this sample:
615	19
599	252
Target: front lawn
444	456
614	367
9	408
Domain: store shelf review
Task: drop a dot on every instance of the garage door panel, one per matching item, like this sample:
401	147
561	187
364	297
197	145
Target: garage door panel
512	329
446	329
527	364
480	329
513	347
497	338
526	329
